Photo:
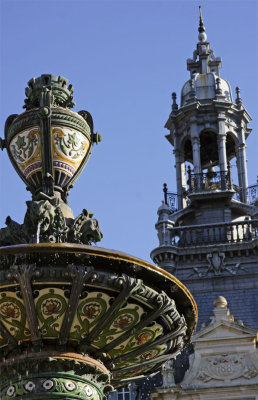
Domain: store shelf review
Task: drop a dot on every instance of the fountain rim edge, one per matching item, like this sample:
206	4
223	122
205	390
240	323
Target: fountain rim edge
100	252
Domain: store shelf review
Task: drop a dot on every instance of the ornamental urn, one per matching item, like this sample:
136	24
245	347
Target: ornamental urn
76	320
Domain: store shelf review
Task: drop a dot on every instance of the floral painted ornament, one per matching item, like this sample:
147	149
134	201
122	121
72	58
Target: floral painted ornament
30	386
123	321
48	384
88	390
10	391
51	306
9	310
70	386
92	310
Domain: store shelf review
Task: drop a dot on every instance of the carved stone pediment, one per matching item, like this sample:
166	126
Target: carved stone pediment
224	352
223	330
224	363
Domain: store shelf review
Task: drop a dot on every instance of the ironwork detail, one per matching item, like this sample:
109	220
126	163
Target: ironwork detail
253	193
170	199
209	181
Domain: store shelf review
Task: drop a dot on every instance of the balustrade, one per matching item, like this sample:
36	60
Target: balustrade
234	232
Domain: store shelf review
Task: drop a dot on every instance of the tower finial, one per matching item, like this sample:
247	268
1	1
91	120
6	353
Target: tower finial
238	97
202	35
174	105
201	27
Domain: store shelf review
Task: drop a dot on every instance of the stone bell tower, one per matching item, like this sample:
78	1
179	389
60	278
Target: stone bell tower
208	130
208	230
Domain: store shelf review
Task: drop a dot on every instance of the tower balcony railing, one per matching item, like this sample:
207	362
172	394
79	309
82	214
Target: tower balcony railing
253	193
198	235
201	182
170	199
209	181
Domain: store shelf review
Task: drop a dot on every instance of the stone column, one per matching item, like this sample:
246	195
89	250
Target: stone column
238	173
222	136
180	178
242	171
223	161
197	179
195	139
241	164
196	155
221	140
222	152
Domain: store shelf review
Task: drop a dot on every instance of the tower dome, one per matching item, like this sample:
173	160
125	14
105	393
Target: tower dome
205	86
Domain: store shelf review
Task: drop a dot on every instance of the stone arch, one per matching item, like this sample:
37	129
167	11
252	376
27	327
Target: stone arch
187	149
231	143
209	148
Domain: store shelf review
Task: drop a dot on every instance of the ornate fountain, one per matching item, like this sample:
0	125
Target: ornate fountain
76	320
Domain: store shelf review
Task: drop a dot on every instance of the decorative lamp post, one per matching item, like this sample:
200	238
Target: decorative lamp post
74	317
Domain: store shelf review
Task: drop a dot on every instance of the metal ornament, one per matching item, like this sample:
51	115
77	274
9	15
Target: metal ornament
75	319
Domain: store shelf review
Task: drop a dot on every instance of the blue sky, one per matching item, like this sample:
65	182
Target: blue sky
124	59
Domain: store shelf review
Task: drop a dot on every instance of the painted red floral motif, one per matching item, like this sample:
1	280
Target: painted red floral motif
143	337
123	321
92	310
146	356
10	310
151	354
51	306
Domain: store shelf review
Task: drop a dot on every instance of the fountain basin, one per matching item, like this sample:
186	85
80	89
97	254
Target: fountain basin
58	299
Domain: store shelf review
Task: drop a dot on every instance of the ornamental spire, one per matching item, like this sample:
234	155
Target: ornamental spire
202	35
204	60
201	27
